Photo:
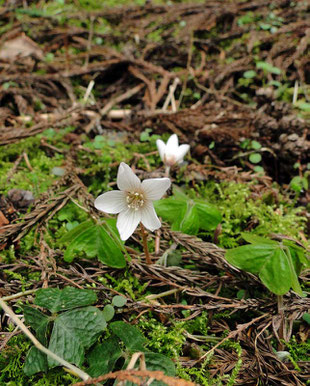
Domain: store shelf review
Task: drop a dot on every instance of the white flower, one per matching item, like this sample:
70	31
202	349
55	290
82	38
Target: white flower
133	201
171	153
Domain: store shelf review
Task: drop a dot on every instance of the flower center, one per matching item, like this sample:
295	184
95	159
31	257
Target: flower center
135	200
169	159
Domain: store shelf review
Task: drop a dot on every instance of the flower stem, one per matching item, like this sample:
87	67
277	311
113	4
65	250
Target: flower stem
145	247
167	171
282	327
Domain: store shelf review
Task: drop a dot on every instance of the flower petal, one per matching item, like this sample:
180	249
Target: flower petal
111	202
126	178
149	217
161	148
182	150
155	188
127	222
172	144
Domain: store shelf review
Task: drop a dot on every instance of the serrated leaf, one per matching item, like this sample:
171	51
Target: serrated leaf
56	300
157	362
130	335
97	241
35	362
103	357
75	331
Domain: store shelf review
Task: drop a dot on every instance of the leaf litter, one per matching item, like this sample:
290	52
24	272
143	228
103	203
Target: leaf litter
118	79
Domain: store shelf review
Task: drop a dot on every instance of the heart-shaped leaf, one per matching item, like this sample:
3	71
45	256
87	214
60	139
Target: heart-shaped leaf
56	300
73	332
188	215
277	265
96	240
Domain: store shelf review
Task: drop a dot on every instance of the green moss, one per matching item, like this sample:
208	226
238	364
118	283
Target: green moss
165	340
260	214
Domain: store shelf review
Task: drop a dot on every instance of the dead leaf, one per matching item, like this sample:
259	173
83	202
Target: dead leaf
20	46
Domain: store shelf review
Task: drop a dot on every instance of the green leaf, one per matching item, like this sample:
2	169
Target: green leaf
254	239
255	145
208	216
130	335
35	362
249	74
56	300
70	236
305	106
38	321
75	331
188	215
271	261
255	158
96	241
157	362
267	67
306	318
190	221
251	258
108	312
275	273
299	183
171	209
103	357
119	301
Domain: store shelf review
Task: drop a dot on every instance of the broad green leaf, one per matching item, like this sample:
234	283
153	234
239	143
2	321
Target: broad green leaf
190	221
103	357
157	362
209	217
251	258
56	300
97	241
254	239
38	321
171	209
35	362
130	335
75	331
273	263
186	214
275	273
70	236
